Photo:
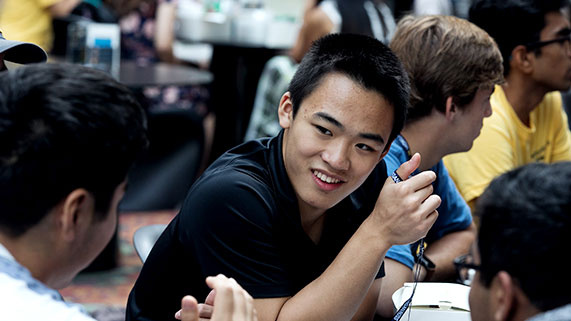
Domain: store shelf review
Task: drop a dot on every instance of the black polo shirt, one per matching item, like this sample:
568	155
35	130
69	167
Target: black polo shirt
241	219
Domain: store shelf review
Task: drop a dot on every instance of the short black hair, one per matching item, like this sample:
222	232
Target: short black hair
362	58
525	227
513	22
63	127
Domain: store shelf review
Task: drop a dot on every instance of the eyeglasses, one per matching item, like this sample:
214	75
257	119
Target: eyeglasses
465	268
538	44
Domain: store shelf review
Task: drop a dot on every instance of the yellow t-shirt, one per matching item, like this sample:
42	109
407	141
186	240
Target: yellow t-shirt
27	20
506	143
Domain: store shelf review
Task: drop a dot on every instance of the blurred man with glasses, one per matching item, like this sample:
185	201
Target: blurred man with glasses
528	123
516	271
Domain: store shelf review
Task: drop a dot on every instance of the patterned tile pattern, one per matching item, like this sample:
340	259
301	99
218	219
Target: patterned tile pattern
111	288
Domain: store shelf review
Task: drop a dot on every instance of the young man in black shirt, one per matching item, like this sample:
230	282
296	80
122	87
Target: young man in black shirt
299	220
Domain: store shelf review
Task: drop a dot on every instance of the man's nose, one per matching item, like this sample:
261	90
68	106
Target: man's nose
337	156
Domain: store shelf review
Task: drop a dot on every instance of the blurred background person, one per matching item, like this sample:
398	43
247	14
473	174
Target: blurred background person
59	184
31	20
147	37
321	17
528	123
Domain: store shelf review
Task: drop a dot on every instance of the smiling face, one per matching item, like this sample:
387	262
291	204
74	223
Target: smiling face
338	136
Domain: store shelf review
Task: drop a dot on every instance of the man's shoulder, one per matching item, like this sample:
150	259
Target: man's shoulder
247	179
19	302
248	161
558	314
552	100
550	108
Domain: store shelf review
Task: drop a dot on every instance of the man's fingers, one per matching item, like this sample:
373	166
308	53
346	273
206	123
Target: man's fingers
422	194
251	311
429	206
205	310
421	180
432	202
210	297
408	167
231	299
213	281
240	303
189	309
225	303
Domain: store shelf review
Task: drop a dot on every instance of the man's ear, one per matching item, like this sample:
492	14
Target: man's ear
76	210
285	111
451	109
522	59
503	294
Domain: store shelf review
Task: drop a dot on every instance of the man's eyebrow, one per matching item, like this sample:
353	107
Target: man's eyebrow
328	118
375	137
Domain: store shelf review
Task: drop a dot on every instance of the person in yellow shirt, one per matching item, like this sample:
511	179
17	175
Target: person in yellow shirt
31	20
528	123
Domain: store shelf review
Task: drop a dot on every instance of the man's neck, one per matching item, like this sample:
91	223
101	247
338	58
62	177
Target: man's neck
312	220
425	137
31	253
523	95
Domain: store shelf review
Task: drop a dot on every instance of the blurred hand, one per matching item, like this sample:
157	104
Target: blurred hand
230	303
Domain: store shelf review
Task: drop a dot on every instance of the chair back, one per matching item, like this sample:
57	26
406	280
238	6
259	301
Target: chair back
145	237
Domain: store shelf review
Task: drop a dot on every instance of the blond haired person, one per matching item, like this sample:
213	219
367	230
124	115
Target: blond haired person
451	83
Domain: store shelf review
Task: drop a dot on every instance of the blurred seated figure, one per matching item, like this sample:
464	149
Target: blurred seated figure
524	225
273	82
321	17
369	17
147	36
31	20
69	135
528	123
19	52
